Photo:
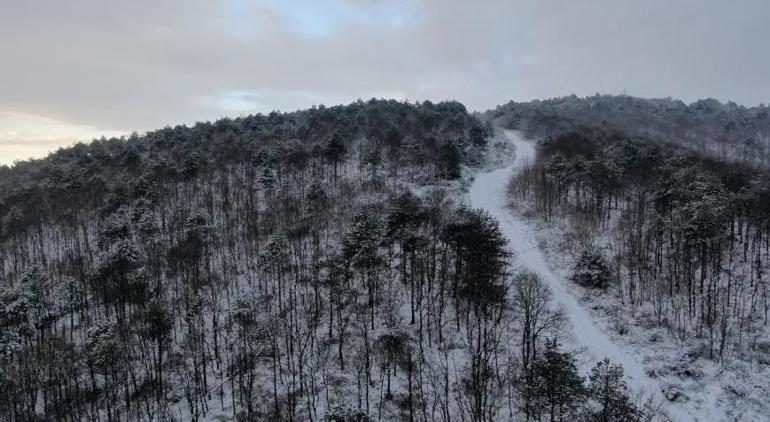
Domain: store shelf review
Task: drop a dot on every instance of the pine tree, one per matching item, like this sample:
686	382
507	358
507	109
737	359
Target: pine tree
609	390
335	151
553	387
591	269
449	160
481	254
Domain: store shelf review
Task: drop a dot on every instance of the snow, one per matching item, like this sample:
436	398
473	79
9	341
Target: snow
591	337
488	192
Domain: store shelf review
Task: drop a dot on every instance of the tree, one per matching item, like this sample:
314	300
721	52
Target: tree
158	323
480	296
391	348
478	136
335	151
532	305
591	269
449	160
361	250
105	350
608	389
273	260
481	256
405	215
17	308
295	155
553	387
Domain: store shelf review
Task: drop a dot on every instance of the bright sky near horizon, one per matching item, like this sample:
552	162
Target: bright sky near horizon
79	70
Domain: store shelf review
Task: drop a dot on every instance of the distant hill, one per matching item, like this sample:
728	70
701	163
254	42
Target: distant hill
728	131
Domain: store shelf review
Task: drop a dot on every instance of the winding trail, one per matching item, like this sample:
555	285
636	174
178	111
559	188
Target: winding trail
488	192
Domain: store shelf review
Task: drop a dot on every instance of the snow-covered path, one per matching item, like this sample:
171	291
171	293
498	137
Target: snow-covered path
488	192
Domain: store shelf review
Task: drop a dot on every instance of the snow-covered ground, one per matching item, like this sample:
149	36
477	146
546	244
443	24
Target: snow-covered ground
488	192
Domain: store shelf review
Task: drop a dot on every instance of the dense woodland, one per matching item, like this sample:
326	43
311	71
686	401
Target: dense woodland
315	265
682	240
724	131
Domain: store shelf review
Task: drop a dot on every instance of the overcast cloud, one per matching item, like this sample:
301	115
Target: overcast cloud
75	70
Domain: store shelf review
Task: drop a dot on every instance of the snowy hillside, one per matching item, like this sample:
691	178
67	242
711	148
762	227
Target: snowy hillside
362	262
680	366
587	338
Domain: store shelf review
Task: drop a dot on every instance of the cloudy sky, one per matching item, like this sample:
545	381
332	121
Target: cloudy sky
75	70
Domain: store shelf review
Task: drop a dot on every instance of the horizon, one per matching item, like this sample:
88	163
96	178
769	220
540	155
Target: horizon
124	135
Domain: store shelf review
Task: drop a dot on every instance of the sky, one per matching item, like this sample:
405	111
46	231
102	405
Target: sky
74	71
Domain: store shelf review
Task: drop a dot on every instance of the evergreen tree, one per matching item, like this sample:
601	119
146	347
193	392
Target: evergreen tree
553	388
609	390
478	136
449	160
481	256
335	151
591	269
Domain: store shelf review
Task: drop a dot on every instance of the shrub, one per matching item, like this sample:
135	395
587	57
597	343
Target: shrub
345	414
592	270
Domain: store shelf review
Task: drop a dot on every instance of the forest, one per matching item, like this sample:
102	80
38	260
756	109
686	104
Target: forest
318	265
725	131
680	237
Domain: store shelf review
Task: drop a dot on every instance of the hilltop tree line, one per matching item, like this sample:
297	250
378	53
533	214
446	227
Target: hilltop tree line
313	265
726	131
107	173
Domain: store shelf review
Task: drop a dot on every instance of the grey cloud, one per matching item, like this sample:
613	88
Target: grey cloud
144	64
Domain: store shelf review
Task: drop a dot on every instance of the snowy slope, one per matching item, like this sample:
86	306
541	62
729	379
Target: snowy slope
488	192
